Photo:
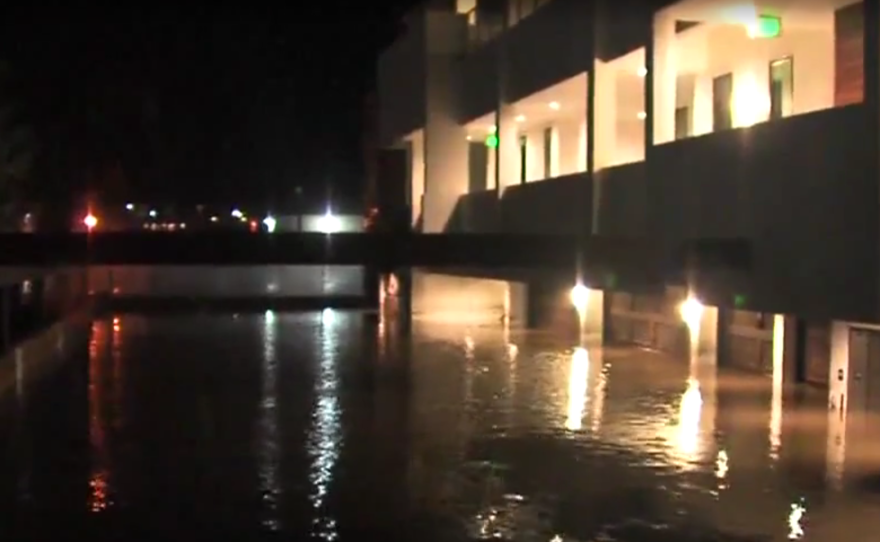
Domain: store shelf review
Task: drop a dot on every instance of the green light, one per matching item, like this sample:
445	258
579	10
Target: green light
491	141
767	26
611	281
739	301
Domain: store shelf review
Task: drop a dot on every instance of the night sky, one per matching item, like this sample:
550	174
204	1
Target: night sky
197	104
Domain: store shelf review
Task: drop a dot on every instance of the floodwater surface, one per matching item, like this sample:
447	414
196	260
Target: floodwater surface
328	426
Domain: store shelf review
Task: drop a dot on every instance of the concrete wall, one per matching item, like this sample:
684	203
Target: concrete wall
556	206
652	321
722	46
454	299
232	281
568	147
401	79
622	200
805	197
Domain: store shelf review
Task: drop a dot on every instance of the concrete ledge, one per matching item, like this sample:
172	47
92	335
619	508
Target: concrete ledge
165	304
38	356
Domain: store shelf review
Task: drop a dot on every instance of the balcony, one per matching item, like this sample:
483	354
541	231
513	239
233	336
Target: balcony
806	196
558	206
622	201
554	43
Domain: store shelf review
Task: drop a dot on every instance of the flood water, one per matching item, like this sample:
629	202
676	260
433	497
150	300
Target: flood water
328	426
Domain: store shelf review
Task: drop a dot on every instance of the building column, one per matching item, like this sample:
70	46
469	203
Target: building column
593	324
605	117
508	148
662	77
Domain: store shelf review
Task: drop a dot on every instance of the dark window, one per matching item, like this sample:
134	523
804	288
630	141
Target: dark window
722	102
781	88
682	122
523	153
548	152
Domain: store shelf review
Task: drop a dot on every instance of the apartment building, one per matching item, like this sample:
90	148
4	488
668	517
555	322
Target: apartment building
748	119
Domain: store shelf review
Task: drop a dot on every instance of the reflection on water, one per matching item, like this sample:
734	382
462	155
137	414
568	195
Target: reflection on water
99	482
577	389
326	440
268	441
689	412
243	424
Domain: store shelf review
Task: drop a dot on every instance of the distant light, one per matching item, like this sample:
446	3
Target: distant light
270	223
329	223
153	213
554	106
129	206
182	225
468	137
237	214
492	129
491	141
642	72
214	219
90	221
641	115
520	118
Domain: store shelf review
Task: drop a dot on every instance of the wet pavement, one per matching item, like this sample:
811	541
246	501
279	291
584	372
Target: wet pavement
324	426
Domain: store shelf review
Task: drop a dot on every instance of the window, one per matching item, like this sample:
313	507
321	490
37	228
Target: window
722	102
682	122
781	88
523	152
548	152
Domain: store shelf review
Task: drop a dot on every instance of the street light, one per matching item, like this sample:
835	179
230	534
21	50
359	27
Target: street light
90	221
270	223
329	223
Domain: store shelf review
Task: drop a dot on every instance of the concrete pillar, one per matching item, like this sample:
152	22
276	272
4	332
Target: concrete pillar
838	402
446	147
706	346
508	148
516	304
663	77
593	324
605	116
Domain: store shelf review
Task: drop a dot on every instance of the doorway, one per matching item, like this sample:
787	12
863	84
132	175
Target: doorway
782	88
478	164
722	102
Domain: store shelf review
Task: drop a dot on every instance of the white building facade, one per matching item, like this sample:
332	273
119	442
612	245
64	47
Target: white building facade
706	119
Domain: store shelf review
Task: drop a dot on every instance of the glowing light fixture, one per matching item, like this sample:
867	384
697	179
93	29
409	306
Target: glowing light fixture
129	206
153	213
765	27
520	118
691	312
329	223
641	115
642	72
555	106
270	223
237	214
491	141
580	296
90	221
